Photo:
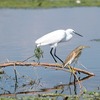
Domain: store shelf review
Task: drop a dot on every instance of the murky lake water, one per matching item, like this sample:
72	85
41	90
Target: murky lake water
19	28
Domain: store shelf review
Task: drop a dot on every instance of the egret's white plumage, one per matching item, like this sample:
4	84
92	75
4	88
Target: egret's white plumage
55	37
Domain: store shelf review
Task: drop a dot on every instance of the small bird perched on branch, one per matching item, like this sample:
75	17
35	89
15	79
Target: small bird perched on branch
74	55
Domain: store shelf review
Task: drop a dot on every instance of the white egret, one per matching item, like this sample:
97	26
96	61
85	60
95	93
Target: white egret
55	37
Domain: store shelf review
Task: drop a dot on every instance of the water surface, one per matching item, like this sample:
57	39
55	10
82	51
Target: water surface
19	28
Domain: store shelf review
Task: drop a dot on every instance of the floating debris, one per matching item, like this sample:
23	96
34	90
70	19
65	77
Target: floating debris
97	40
1	71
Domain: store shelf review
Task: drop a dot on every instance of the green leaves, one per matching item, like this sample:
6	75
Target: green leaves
38	53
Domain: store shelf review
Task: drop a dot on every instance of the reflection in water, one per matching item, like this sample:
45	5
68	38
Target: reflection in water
63	88
28	87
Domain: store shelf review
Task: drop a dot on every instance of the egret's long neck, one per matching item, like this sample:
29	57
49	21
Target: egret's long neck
68	36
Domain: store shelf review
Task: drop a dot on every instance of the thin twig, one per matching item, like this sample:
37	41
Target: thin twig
28	58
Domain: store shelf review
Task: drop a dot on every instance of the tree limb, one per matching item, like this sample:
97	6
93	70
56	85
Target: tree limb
47	65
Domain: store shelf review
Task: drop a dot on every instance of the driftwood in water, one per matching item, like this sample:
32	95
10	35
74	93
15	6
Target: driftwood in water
47	65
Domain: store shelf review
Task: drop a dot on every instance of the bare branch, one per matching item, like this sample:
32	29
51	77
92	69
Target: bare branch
47	65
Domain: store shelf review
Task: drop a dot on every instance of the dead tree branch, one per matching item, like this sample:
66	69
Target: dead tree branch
47	65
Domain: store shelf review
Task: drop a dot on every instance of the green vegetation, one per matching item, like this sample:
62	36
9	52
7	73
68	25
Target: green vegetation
46	3
24	98
38	53
85	96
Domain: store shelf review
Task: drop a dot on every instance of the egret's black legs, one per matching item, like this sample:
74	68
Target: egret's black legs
53	55
57	56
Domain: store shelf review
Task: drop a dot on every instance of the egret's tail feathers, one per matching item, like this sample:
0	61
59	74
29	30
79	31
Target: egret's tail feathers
41	44
38	45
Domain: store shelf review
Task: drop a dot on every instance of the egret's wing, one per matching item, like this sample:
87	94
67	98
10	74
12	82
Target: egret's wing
51	38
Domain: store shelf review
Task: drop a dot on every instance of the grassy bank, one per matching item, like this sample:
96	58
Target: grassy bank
46	3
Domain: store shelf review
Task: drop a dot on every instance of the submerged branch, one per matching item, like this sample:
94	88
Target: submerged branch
47	65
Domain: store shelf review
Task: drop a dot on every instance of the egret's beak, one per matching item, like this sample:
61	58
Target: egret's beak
78	34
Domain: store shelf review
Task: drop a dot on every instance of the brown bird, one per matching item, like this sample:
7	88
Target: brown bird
74	55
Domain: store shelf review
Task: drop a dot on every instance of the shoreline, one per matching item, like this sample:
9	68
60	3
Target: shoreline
29	4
